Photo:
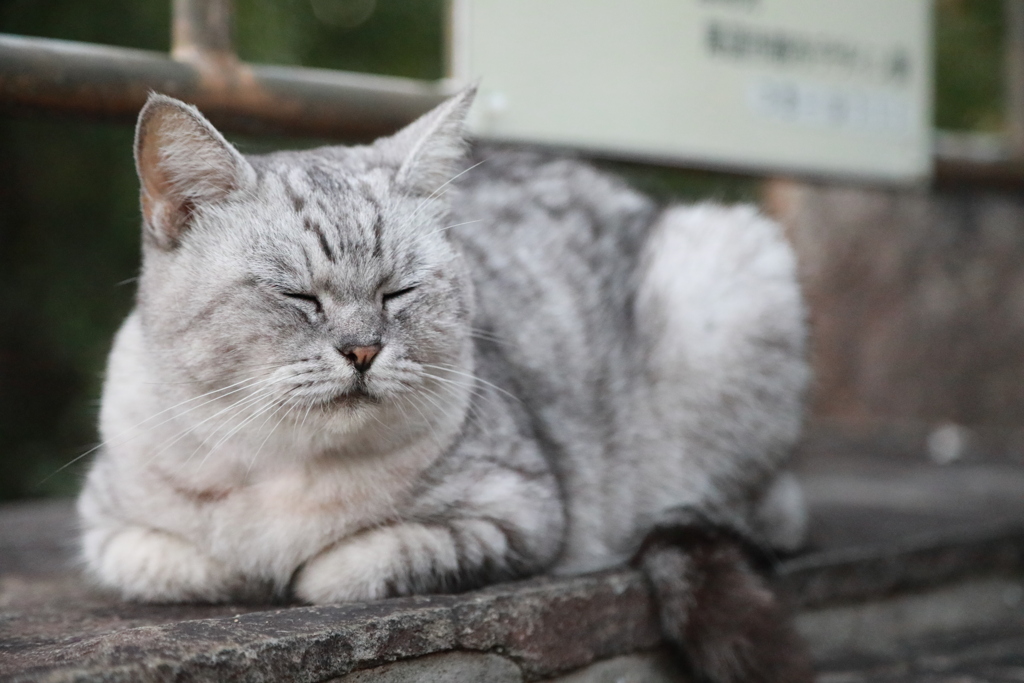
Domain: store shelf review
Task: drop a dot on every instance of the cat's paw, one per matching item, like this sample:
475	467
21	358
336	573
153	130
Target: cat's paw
147	565
380	563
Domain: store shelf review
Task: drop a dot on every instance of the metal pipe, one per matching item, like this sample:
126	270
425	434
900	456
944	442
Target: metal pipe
201	30
112	83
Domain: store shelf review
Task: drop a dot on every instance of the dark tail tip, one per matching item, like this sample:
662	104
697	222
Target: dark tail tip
721	615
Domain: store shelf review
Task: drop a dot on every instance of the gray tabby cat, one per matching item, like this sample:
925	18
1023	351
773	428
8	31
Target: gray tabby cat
355	372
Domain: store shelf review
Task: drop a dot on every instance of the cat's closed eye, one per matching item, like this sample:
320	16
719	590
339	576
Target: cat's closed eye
308	299
388	296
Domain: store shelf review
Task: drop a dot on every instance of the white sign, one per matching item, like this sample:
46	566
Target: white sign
818	86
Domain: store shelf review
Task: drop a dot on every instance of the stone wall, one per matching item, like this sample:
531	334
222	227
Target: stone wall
916	300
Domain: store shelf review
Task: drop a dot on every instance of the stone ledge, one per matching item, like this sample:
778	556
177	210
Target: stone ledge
905	552
895	627
543	627
917	563
463	667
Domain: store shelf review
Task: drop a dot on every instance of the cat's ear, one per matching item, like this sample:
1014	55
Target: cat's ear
432	146
183	163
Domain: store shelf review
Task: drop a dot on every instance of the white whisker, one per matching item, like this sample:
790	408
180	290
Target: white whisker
237	428
470	376
192	428
117	437
427	421
457	225
476	392
443	185
263	409
283	404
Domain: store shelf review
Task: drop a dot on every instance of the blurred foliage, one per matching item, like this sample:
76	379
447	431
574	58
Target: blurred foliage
68	193
969	64
68	236
396	37
686	185
141	24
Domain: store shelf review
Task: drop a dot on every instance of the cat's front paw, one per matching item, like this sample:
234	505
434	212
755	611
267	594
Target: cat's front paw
147	565
383	562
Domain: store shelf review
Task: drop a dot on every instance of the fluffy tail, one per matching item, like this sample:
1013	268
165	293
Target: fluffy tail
717	611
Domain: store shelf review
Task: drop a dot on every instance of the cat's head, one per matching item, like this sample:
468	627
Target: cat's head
322	280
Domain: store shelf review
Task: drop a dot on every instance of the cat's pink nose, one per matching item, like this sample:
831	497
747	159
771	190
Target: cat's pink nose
361	357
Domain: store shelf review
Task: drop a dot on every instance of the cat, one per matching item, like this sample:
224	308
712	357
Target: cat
407	367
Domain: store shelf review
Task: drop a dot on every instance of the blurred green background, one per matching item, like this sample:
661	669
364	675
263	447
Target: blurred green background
68	193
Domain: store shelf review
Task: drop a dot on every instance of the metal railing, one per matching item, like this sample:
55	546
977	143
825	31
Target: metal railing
112	83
